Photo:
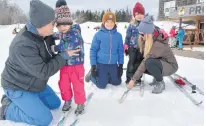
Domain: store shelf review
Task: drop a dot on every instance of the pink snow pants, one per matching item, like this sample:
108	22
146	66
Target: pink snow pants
72	83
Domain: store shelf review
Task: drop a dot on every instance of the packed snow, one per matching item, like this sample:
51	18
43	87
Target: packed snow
199	49
171	108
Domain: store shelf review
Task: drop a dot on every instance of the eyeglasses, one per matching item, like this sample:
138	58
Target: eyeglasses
54	21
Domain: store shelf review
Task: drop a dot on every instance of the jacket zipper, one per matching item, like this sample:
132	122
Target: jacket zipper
47	49
110	56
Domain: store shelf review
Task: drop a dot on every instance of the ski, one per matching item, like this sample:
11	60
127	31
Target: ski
64	117
89	97
141	91
194	87
185	92
142	85
124	95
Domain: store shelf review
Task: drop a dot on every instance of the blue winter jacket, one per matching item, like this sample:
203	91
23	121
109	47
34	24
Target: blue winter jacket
107	47
132	35
181	34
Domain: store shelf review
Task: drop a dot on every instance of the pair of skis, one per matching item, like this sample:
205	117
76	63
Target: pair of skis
194	88
141	91
77	117
173	78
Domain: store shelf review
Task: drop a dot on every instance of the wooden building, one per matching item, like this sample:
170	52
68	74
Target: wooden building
185	10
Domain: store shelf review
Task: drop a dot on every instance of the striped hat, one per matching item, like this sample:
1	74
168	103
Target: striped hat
63	15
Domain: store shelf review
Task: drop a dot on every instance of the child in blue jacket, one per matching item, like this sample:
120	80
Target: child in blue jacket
107	54
180	36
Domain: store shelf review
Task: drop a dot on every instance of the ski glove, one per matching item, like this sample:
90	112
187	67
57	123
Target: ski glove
94	71
120	70
126	49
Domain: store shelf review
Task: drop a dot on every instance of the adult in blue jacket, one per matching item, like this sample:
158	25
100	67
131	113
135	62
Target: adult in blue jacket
107	54
180	36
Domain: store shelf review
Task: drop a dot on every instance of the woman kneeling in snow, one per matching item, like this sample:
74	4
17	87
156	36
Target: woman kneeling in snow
158	59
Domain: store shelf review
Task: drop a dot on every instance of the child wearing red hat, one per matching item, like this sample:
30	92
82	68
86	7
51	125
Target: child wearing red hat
130	45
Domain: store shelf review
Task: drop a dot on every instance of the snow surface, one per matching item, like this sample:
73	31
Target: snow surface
200	49
171	108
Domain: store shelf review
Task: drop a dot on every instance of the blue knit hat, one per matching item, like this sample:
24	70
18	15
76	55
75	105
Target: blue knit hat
146	26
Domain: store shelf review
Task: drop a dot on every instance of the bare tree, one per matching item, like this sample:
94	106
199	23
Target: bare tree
11	13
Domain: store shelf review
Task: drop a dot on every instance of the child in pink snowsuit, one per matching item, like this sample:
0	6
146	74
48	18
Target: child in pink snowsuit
72	74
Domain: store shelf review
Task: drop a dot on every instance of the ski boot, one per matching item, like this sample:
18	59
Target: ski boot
5	101
80	109
67	105
153	82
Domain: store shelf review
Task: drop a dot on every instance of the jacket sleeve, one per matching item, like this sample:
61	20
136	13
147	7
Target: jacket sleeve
82	45
30	60
121	51
172	32
77	26
59	48
128	35
93	50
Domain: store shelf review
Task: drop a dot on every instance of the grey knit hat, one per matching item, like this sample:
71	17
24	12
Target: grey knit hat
40	14
146	26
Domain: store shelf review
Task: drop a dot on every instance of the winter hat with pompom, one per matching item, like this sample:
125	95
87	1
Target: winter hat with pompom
60	3
138	8
62	13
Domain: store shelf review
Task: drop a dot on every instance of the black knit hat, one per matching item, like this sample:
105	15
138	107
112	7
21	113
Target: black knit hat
60	3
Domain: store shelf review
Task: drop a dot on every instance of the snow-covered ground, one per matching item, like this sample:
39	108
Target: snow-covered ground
171	108
200	49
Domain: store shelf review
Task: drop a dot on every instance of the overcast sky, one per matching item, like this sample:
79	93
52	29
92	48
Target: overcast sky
151	6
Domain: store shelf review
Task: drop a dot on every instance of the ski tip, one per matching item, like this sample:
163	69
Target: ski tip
74	123
199	103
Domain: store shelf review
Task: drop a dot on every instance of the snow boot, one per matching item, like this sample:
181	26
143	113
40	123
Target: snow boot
5	101
88	76
153	82
80	109
67	105
158	87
